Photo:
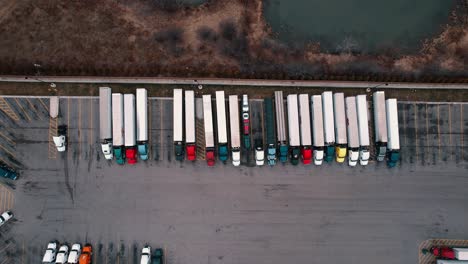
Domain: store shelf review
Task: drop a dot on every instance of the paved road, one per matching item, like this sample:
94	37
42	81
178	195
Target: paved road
285	214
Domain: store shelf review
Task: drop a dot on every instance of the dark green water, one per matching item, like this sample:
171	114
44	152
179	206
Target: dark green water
365	26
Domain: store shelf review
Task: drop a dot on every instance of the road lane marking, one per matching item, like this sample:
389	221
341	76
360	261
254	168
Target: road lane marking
36	111
22	109
6	108
438	127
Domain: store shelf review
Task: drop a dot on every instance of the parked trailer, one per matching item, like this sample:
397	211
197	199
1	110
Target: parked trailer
222	126
118	127
190	135
317	127
178	129
352	129
380	125
235	129
130	129
246	121
281	127
293	125
340	126
105	121
209	136
142	122
270	131
363	126
306	137
328	125
393	133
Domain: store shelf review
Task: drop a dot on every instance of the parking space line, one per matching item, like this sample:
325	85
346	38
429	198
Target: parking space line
416	130
161	127
461	130
5	261
79	128
52	132
427	132
68	128
262	122
150	134
7	151
43	104
22	109
36	111
7	138
91	122
23	252
7	163
11	200
5	248
404	125
6	108
438	128
450	129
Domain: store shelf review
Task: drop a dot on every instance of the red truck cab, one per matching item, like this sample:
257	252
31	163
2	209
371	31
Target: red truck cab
210	158
130	154
306	155
191	152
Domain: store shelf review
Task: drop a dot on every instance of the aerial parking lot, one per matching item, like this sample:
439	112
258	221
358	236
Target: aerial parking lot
227	214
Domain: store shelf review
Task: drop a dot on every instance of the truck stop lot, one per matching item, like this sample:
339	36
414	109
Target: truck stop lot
289	214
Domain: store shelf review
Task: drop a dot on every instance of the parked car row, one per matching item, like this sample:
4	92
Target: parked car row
78	255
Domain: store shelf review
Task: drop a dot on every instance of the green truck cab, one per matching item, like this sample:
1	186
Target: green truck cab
223	152
119	155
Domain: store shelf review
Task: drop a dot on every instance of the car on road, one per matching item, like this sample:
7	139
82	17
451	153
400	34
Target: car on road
86	253
145	255
8	173
50	253
62	255
61	139
74	254
158	256
7	215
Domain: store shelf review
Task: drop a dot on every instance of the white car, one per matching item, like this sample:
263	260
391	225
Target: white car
7	215
50	253
62	255
75	253
145	255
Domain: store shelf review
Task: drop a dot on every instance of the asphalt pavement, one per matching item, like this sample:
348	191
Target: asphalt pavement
282	214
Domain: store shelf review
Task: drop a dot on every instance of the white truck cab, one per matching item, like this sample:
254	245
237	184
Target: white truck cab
107	150
7	215
60	140
236	157
318	156
145	255
62	255
259	156
75	253
50	253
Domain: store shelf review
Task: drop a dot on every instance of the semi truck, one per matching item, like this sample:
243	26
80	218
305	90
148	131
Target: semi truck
209	135
118	127
246	121
105	121
352	129
317	126
328	125
270	131
130	130
142	122
363	128
281	127
235	129
340	127
222	126
293	126
190	138
306	137
178	119
393	146
380	125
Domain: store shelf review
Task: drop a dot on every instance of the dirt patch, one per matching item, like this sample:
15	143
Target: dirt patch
221	38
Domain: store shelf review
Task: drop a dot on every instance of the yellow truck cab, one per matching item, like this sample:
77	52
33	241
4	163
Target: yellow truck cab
340	153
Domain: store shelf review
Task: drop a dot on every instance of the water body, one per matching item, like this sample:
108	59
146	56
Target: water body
365	26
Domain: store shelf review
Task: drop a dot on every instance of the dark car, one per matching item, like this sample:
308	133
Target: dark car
8	173
158	256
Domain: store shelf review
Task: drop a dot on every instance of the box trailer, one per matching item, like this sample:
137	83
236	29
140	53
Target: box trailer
352	129
340	127
246	121
306	136
190	132
393	146
328	125
294	129
142	122
317	128
209	135
130	128
380	125
363	128
222	126
281	127
105	121
235	129
178	128
461	253
270	131
118	127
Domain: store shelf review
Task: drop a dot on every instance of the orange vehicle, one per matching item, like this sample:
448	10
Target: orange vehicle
86	253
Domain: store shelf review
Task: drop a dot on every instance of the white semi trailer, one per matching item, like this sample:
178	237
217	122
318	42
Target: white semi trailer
178	128
317	128
380	125
363	125
190	135
105	121
209	134
328	125
294	129
222	126
118	128
306	136
393	133
352	129
130	128
340	126
235	129
142	122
